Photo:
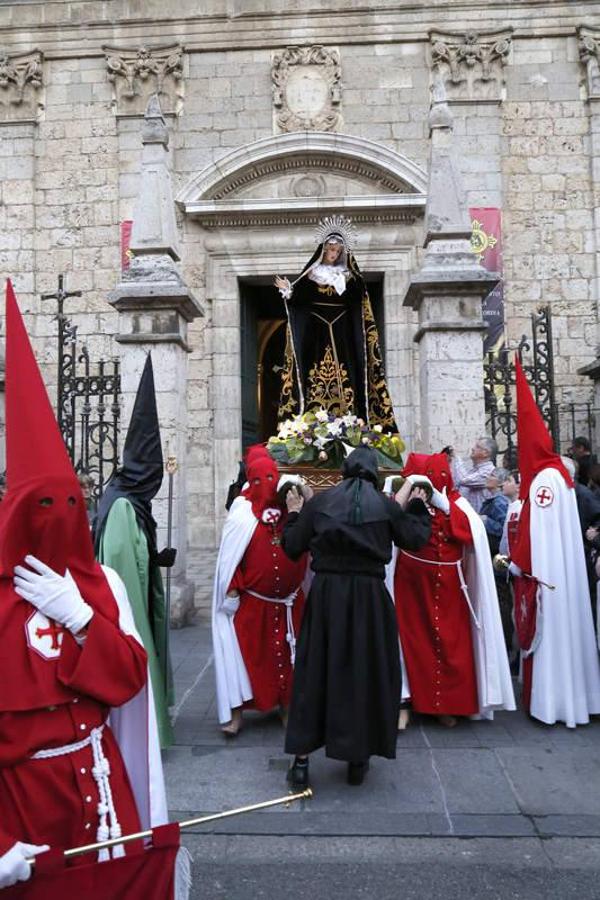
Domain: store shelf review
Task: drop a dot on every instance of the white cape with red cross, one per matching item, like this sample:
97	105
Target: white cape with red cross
566	671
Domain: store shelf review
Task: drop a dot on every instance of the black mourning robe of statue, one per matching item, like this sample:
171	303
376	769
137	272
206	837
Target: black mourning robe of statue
333	357
347	682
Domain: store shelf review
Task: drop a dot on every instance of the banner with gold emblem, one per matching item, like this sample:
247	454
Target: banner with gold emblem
126	227
486	242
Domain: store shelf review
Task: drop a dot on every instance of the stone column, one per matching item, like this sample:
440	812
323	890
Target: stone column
448	292
155	306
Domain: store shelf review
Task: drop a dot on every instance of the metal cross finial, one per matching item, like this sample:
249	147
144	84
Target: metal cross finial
60	295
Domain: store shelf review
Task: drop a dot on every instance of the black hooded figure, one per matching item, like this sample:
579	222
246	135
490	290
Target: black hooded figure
346	693
332	358
125	539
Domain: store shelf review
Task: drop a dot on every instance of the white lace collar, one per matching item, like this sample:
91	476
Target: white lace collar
329	275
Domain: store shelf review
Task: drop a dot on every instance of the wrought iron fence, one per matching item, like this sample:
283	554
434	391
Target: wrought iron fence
88	400
536	355
576	420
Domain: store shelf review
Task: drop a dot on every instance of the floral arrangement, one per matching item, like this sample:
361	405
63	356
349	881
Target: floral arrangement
319	438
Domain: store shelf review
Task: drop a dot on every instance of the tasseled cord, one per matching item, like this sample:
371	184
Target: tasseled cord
183	874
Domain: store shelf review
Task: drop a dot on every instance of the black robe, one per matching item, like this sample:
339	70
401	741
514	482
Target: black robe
347	681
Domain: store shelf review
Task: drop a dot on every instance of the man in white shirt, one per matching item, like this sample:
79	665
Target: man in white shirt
470	479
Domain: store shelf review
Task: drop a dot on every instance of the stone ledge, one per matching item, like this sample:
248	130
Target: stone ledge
592	370
129	296
446	282
426	327
147	338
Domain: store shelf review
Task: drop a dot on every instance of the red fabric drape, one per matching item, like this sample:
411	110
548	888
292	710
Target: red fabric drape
149	875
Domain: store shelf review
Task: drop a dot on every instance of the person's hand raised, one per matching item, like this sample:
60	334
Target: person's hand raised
418	493
294	500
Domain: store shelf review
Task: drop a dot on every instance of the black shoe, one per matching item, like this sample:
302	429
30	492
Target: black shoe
357	772
297	774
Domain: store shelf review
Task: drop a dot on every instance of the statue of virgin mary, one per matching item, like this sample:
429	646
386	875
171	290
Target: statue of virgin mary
332	357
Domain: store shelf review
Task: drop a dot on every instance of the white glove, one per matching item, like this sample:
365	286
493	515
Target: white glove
56	596
514	570
439	499
13	865
230	605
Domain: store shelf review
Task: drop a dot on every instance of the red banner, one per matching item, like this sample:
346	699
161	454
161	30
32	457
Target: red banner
486	242
126	227
146	875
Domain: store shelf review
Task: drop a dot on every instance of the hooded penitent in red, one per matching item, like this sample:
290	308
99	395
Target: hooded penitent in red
262	473
266	572
433	616
52	690
436	467
43	513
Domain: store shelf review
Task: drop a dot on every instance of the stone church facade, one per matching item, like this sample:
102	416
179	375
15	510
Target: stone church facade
226	129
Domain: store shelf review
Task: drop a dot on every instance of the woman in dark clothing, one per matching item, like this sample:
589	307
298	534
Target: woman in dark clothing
346	692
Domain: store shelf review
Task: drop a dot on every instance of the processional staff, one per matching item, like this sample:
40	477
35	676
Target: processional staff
171	467
189	823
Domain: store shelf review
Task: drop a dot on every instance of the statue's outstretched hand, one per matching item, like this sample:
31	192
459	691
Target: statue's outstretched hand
283	286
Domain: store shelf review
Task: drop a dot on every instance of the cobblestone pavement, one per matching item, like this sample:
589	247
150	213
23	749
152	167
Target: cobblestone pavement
506	808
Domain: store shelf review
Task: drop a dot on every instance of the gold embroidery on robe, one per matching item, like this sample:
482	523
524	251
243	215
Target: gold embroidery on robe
380	407
288	404
329	386
327	289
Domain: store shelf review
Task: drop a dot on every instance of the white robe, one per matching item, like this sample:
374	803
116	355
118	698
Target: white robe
566	670
233	683
494	683
135	729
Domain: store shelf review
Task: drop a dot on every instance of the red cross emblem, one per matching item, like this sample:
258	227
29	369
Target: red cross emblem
44	636
544	497
271	516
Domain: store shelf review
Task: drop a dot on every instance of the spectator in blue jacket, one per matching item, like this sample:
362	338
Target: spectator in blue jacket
493	510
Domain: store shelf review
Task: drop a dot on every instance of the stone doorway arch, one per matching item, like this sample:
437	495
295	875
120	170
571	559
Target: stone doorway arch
254	212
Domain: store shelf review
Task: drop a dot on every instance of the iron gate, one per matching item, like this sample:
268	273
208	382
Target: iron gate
537	359
88	400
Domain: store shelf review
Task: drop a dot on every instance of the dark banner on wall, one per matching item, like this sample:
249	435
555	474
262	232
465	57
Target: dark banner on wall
486	241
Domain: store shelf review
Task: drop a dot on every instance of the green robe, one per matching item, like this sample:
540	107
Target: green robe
123	547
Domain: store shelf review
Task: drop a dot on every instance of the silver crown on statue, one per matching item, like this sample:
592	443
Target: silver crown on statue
337	225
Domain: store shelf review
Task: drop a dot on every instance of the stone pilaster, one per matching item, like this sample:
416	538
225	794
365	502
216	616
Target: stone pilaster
447	292
155	307
589	56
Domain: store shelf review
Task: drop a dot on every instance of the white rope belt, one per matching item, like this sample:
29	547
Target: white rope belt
463	584
101	772
289	605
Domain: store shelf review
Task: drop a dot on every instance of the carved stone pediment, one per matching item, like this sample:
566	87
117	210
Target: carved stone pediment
301	177
589	54
307	85
472	64
21	82
139	72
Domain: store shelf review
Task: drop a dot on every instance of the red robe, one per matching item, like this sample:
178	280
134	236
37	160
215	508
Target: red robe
54	801
261	626
434	621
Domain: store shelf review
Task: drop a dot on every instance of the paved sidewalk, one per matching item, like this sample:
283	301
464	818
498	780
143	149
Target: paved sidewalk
519	791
